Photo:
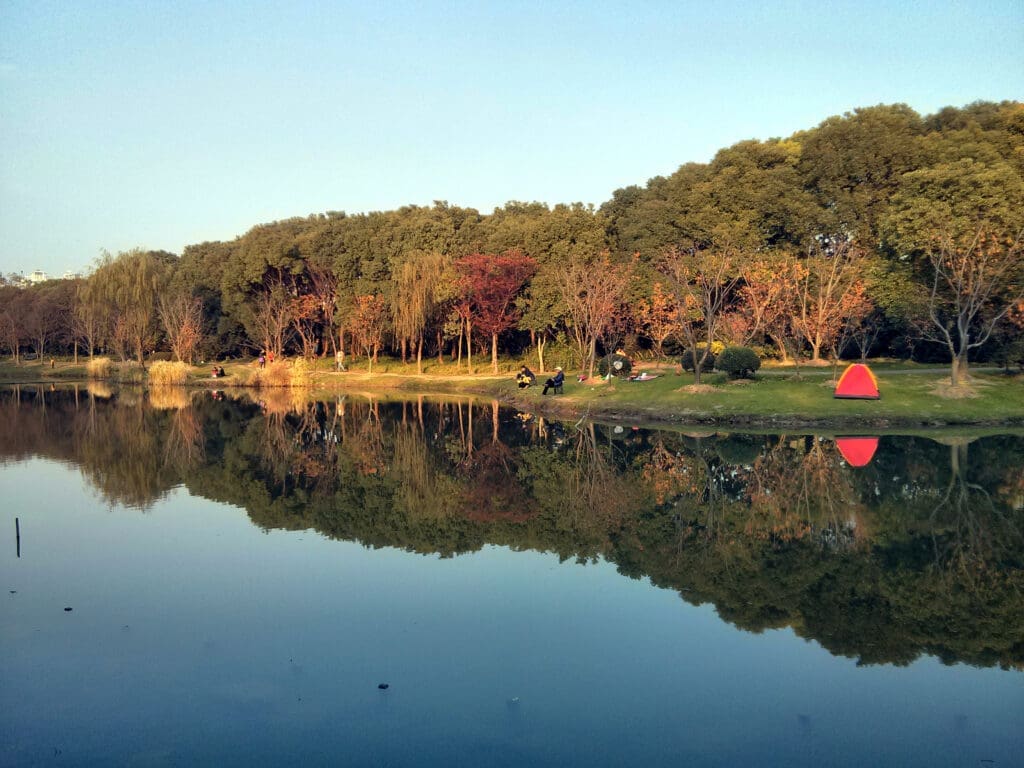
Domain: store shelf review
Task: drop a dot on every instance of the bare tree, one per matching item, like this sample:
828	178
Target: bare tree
703	282
830	291
182	318
973	288
593	291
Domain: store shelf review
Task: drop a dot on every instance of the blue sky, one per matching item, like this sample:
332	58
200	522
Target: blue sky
152	124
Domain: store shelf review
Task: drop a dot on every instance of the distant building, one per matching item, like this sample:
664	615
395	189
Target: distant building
37	277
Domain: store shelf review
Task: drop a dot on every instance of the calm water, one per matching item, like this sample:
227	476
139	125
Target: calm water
244	575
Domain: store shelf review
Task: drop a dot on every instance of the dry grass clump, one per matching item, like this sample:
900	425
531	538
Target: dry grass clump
283	373
99	368
165	373
698	389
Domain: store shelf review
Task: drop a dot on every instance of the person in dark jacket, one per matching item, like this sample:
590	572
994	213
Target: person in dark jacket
525	377
555	382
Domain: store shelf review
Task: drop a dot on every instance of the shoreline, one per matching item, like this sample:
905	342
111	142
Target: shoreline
769	402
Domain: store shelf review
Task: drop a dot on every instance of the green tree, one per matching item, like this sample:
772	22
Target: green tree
961	224
130	285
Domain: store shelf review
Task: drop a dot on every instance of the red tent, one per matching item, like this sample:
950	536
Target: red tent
858	451
857	382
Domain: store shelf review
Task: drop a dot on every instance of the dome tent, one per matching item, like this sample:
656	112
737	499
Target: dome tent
858	383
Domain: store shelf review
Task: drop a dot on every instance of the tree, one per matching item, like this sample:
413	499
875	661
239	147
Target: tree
182	318
368	322
129	284
830	292
703	283
267	315
656	316
961	224
593	291
767	293
12	311
854	163
90	318
491	284
417	297
974	286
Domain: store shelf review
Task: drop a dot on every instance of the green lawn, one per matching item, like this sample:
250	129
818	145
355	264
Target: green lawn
918	398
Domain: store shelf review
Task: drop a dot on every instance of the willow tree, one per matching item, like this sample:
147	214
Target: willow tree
130	285
417	296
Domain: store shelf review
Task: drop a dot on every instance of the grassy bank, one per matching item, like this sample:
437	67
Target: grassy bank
911	395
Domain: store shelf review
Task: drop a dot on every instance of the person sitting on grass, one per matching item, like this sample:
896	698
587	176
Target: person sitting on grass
555	382
525	377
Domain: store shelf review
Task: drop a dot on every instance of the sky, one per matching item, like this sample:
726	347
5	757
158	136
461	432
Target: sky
156	125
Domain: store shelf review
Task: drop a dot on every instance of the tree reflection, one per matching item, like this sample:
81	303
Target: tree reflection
920	552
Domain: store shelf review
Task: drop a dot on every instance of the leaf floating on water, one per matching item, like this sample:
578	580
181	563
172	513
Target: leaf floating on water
68	609
383	686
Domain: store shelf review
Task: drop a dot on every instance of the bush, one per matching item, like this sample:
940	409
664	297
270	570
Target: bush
99	368
164	373
616	365
738	362
687	359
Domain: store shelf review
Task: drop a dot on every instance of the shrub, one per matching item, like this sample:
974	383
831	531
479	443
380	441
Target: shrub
738	362
164	373
687	359
616	365
99	368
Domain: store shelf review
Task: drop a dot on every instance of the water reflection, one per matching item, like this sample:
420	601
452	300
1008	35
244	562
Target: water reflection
918	551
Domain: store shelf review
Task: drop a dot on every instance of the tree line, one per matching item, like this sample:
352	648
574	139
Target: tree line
878	232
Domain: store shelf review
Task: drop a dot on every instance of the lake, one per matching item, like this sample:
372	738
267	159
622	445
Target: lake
362	581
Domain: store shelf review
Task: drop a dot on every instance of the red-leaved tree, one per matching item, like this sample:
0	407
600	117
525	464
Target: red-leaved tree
491	283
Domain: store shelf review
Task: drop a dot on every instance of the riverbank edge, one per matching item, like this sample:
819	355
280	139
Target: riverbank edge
565	407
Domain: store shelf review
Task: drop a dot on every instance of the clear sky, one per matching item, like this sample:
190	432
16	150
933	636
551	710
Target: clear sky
157	124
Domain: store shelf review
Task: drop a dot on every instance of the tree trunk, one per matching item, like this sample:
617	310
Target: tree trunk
780	344
494	353
419	355
592	354
469	347
540	352
815	350
959	371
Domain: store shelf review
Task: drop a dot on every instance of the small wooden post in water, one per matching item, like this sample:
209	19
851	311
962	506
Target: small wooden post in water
17	535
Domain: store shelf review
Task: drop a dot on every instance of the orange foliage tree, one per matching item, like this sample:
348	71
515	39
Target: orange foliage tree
830	291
